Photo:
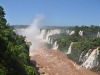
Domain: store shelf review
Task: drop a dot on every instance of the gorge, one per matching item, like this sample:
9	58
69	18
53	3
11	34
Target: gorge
63	50
54	62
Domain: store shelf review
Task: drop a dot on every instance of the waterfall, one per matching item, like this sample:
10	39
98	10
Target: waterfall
43	34
55	46
51	40
92	59
82	58
72	32
81	33
67	31
69	49
98	34
47	36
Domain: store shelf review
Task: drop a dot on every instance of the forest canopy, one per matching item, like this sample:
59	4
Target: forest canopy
14	59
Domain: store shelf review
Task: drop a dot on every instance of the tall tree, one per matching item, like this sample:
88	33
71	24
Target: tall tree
13	51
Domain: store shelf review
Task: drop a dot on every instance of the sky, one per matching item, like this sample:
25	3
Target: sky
56	12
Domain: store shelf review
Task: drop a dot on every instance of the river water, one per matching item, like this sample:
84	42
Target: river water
54	62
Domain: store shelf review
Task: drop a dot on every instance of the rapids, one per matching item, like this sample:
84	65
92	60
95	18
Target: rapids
54	62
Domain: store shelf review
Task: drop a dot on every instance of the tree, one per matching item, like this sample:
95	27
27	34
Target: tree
2	19
13	51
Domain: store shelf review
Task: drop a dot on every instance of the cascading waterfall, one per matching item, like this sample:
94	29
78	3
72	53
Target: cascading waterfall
69	49
50	40
47	35
92	59
55	46
67	31
72	32
98	34
82	58
43	33
81	33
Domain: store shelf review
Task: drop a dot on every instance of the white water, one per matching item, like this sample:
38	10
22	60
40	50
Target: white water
82	58
72	32
98	34
42	34
50	40
45	34
81	33
67	31
92	59
55	46
32	34
69	49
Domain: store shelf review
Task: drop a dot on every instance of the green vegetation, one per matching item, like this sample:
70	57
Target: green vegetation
14	59
19	26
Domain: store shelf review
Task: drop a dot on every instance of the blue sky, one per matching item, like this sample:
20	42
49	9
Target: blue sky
57	12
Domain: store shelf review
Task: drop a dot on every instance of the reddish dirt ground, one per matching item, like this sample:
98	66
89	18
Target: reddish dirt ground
53	62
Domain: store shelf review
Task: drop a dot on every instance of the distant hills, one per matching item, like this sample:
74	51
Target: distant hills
43	27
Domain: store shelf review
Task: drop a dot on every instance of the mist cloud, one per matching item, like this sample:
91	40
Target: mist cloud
32	33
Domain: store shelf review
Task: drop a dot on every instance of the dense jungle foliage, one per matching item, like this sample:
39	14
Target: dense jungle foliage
14	59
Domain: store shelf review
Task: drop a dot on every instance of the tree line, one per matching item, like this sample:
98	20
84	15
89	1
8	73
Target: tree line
14	59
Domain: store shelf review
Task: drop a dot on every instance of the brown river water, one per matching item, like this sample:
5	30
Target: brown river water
54	62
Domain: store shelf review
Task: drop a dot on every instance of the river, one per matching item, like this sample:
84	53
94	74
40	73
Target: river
54	62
